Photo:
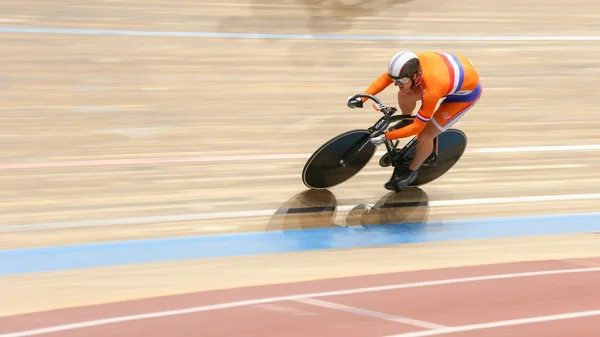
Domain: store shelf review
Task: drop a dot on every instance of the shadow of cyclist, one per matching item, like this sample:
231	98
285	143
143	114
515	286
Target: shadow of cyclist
406	211
395	215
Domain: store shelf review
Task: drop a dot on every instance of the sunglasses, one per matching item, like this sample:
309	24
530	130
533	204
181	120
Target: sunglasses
399	80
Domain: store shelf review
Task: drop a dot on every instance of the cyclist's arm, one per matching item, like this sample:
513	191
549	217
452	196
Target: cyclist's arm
382	82
428	103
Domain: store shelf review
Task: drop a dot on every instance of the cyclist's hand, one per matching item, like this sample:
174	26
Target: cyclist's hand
378	140
354	103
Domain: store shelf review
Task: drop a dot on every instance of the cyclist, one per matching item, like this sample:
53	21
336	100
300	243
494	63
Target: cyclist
428	77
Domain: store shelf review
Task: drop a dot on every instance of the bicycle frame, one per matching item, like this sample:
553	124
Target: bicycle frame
378	128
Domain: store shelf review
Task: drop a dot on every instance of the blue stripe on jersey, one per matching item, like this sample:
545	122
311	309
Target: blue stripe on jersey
464	98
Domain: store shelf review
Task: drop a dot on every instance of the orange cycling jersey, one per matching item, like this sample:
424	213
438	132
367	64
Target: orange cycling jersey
444	75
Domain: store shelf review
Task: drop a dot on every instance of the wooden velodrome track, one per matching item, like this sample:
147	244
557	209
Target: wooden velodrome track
149	127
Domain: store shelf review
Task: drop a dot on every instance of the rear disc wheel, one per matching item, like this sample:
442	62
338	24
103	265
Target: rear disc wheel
451	146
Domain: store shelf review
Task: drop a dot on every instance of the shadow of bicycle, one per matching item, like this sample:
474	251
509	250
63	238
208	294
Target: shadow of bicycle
316	216
408	210
310	209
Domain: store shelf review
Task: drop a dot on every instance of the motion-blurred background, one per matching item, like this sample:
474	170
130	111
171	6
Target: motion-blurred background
128	120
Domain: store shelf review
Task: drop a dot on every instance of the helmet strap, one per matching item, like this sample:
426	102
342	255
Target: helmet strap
417	81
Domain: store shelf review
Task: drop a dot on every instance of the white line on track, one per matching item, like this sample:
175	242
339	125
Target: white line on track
270	176
112	320
258	157
263	36
271	212
370	313
499	324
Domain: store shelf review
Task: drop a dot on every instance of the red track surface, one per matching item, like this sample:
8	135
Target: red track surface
431	307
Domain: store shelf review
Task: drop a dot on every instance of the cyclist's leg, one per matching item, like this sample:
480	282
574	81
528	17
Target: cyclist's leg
453	108
448	113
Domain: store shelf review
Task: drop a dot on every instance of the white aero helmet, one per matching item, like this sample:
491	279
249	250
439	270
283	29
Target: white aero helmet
403	66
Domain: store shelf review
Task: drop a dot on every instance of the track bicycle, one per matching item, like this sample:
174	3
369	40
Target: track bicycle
343	156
